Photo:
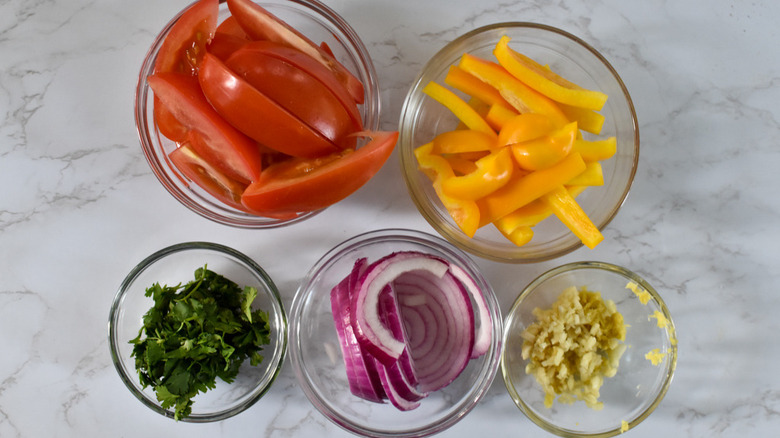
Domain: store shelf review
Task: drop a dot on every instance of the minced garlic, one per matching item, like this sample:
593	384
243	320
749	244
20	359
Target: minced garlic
655	356
643	295
573	346
662	321
623	426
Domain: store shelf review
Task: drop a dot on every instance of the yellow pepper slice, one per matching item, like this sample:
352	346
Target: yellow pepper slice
464	213
460	108
565	207
499	115
493	171
524	127
519	236
522	97
463	140
595	150
546	81
523	190
587	120
460	164
460	80
543	152
531	214
592	176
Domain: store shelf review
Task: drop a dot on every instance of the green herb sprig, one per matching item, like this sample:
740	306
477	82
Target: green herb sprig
196	333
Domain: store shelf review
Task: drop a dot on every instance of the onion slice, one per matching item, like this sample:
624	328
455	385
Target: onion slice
408	325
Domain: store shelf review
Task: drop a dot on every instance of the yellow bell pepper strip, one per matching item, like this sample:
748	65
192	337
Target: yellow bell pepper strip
546	81
460	80
493	171
459	107
519	236
498	116
596	150
592	176
571	214
525	127
544	152
464	213
461	165
463	140
523	190
532	213
522	97
587	120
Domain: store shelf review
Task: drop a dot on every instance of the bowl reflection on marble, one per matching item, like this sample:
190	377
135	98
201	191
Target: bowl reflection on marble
319	365
422	118
645	369
176	264
312	18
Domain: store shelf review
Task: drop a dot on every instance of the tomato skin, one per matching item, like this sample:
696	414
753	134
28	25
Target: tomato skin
227	149
260	24
307	185
297	91
183	47
256	115
309	65
223	45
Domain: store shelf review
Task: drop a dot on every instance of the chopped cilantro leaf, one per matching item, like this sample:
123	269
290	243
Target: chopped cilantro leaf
195	333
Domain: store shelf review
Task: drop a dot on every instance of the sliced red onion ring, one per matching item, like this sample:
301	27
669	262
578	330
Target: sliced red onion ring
371	333
408	325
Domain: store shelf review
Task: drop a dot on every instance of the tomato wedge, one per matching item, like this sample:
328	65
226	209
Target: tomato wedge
208	177
260	24
309	65
306	185
224	147
256	115
297	91
185	44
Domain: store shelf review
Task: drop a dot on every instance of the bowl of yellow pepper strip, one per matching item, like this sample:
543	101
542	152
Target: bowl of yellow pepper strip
519	142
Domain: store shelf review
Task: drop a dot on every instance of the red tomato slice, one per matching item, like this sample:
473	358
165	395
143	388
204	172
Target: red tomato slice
167	123
260	24
307	185
230	26
309	65
223	45
256	115
183	47
296	91
208	177
224	147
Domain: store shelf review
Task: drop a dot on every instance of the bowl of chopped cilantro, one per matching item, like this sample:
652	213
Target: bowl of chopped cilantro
198	332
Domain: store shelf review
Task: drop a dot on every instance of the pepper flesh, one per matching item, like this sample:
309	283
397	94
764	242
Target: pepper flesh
570	213
492	172
545	81
523	190
464	213
543	152
462	110
522	97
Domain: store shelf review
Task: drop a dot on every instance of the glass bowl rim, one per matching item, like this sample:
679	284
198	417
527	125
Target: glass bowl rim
406	157
269	288
489	369
596	266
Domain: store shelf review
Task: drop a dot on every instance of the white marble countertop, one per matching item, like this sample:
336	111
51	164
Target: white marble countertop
79	206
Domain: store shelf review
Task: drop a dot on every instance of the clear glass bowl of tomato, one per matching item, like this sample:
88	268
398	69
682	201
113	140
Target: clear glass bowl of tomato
319	361
423	118
214	192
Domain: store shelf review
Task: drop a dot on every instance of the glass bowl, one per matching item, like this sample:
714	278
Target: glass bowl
176	264
313	19
317	360
422	118
639	385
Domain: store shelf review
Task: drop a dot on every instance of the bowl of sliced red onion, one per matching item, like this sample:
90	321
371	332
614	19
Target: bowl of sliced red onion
395	333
